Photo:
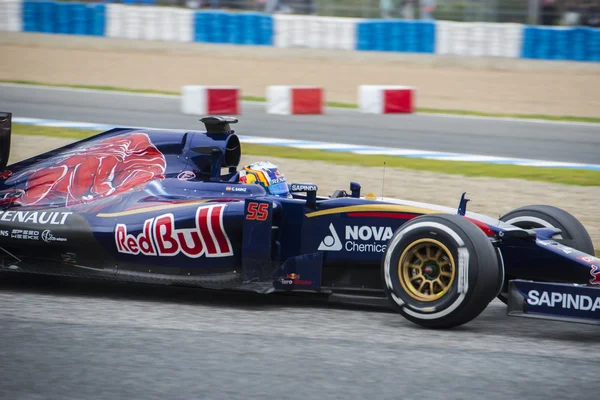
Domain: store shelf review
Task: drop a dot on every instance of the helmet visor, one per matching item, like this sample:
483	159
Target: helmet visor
279	189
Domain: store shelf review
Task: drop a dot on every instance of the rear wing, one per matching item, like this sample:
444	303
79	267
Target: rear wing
5	130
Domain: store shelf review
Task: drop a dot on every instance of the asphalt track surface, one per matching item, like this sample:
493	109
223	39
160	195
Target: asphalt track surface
64	339
551	141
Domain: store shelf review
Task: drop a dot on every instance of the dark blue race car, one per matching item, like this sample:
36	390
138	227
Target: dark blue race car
174	207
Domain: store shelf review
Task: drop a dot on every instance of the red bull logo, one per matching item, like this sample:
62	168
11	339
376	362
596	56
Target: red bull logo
160	237
595	273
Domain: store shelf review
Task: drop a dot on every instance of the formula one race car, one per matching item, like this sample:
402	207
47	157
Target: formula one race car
172	206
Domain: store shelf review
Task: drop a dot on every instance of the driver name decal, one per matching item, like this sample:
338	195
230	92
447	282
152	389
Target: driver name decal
160	237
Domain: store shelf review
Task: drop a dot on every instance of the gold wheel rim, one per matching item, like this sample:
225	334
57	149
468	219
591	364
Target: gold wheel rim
426	270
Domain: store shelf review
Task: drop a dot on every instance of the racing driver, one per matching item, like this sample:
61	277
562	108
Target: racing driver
268	176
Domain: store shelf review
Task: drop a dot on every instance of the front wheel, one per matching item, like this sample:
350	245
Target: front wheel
573	232
440	271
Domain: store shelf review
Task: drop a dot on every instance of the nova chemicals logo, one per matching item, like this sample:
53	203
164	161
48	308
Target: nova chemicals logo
361	239
331	242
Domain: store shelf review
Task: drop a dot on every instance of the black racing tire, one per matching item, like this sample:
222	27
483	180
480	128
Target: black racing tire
573	233
473	285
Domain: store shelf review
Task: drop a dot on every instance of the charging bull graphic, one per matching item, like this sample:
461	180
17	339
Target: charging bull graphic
595	272
90	172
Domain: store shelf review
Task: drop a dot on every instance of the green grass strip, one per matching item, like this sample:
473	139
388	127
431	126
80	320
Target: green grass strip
468	169
565	118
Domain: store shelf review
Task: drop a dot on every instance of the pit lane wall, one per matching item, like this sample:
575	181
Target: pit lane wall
147	22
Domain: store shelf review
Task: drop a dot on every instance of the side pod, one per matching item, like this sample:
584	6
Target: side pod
5	131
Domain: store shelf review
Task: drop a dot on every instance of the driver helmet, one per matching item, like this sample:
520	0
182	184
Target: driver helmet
268	176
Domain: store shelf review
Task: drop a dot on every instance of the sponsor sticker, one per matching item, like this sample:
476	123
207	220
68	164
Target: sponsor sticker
22	234
70	258
35	217
48	237
361	239
160	237
4	234
277	180
563	300
295	278
561	247
300	187
589	259
186	175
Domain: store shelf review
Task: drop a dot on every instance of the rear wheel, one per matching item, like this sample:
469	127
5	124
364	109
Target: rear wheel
573	233
440	271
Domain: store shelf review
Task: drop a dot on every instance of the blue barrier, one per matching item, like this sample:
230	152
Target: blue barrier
252	28
133	2
30	16
396	35
64	18
547	43
97	19
233	28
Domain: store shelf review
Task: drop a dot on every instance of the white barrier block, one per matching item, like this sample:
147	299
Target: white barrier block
478	39
10	15
288	100
314	32
279	100
149	23
210	100
386	99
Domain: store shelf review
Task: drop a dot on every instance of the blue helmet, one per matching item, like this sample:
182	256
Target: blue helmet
268	176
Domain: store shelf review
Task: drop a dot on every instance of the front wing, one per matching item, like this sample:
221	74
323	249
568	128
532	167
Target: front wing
554	301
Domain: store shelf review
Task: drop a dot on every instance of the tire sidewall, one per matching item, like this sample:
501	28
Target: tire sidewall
462	251
573	232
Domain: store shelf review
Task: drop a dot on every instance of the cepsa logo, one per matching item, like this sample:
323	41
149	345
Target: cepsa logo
362	239
160	237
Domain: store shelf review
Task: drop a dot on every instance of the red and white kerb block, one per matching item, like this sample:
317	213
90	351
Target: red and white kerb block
380	99
288	100
210	100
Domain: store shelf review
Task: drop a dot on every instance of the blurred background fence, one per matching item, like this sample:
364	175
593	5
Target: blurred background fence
491	28
533	12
